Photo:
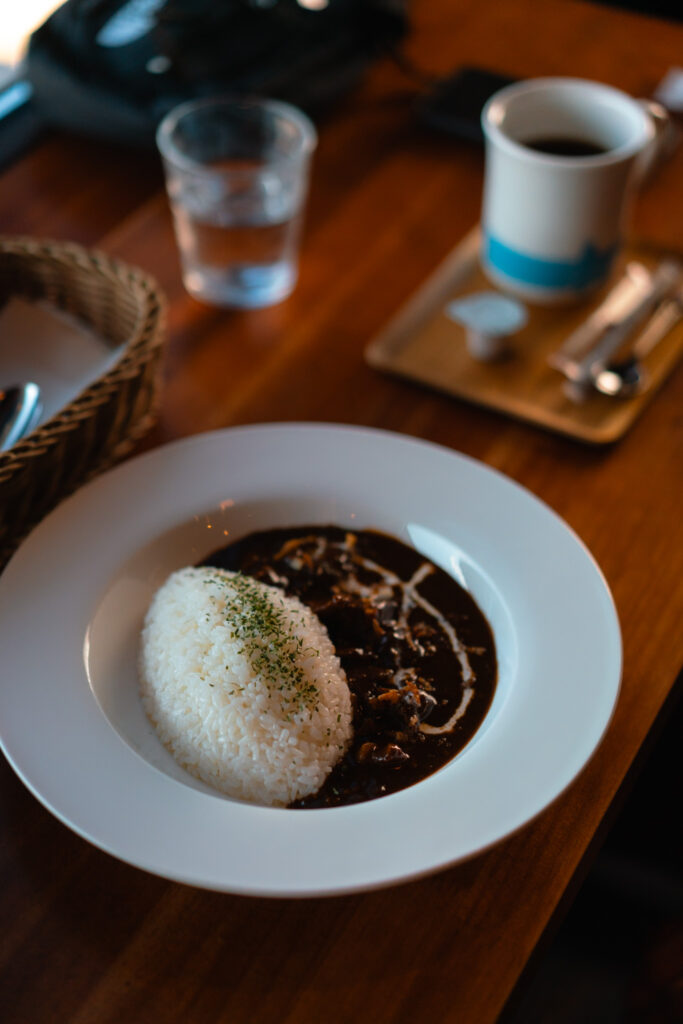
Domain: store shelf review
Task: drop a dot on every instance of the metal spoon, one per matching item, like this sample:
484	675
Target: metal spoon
20	409
628	376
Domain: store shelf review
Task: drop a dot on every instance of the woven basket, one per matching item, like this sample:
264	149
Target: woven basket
125	308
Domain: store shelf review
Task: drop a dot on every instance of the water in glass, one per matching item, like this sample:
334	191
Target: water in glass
238	244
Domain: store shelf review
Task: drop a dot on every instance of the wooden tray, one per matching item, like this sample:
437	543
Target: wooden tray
423	344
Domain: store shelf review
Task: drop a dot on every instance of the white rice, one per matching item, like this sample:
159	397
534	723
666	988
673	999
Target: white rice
264	731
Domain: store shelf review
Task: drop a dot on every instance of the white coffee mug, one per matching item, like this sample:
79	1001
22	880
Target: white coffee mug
561	156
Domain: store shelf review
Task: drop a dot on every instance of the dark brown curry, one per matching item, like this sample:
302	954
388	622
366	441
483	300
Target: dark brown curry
418	653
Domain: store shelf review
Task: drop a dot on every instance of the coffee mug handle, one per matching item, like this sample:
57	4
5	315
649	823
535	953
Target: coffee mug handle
664	141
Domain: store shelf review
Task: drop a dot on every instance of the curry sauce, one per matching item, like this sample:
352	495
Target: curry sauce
418	653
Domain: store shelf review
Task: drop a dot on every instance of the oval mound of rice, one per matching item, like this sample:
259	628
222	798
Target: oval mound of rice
243	686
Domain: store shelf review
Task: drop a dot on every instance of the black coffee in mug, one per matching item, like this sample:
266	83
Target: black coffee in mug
565	146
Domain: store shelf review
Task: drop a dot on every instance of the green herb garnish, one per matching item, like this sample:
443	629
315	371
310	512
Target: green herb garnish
264	630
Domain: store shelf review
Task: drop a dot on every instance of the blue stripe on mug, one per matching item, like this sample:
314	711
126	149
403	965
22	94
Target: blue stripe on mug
591	266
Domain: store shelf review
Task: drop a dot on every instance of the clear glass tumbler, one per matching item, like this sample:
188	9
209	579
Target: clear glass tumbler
237	176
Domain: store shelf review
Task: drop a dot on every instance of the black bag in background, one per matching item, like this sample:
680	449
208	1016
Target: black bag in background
113	68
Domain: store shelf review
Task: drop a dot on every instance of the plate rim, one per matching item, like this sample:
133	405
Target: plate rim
216	437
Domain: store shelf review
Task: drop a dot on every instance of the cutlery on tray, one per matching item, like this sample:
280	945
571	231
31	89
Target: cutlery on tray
604	340
627	376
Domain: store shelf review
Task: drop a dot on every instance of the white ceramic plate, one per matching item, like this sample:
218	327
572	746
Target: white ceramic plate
72	601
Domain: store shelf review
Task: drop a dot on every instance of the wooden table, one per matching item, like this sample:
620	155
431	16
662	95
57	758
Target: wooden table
89	940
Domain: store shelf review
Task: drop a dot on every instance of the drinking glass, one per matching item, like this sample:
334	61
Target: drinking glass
237	176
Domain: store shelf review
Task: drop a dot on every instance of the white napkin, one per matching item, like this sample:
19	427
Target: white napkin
40	343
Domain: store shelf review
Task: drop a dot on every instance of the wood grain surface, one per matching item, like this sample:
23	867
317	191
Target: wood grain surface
85	939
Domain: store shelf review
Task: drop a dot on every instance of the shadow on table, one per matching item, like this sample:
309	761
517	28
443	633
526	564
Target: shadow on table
618	956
